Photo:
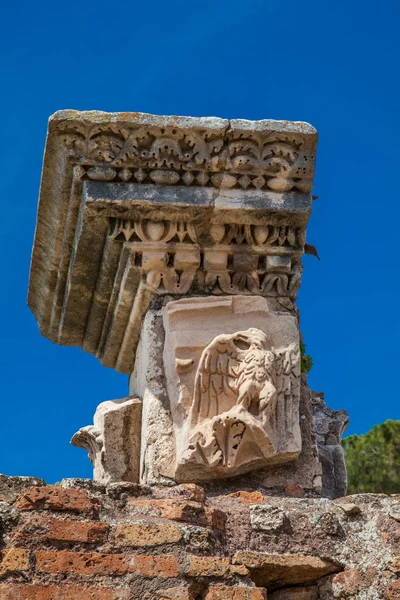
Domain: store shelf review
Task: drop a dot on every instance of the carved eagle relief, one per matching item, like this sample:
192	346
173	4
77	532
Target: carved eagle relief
241	384
240	369
241	399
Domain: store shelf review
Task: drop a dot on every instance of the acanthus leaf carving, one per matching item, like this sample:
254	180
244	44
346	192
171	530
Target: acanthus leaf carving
90	439
170	281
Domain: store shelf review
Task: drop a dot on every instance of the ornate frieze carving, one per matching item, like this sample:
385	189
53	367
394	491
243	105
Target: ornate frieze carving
234	395
239	154
229	258
220	233
237	385
152	231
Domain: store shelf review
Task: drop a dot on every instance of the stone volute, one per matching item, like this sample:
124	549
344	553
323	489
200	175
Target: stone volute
170	248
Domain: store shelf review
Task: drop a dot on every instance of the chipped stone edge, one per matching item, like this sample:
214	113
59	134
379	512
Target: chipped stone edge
147	119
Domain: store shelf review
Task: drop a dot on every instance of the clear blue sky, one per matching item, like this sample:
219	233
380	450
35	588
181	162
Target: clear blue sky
332	63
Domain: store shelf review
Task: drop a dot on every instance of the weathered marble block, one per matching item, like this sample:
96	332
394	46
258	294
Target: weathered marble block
113	441
233	381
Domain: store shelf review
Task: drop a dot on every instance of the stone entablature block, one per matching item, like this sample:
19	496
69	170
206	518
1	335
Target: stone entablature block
133	206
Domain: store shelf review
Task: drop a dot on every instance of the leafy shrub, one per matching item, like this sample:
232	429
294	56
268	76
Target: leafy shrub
373	459
306	360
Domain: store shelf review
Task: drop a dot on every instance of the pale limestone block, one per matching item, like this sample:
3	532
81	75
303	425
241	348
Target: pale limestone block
268	519
157	454
113	441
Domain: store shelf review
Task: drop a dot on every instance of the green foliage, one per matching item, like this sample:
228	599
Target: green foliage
373	459
306	360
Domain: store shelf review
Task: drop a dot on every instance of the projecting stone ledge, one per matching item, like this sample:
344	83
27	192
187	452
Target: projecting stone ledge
133	206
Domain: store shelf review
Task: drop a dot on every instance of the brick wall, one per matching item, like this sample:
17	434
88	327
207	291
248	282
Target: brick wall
126	542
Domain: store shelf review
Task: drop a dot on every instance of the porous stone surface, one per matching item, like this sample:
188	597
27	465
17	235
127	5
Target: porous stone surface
266	518
10	486
113	441
80	539
329	426
294	593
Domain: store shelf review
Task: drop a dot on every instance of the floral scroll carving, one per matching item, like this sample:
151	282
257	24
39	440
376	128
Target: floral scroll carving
173	155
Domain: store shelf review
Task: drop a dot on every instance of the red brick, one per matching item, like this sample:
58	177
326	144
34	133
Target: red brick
176	593
64	592
145	534
296	568
14	560
48	528
55	498
96	563
294	491
207	566
224	592
354	580
156	566
191	491
178	510
28	592
239	570
93	593
181	510
246	497
216	518
393	591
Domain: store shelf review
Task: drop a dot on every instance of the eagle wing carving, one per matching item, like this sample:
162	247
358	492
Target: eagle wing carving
215	382
234	369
